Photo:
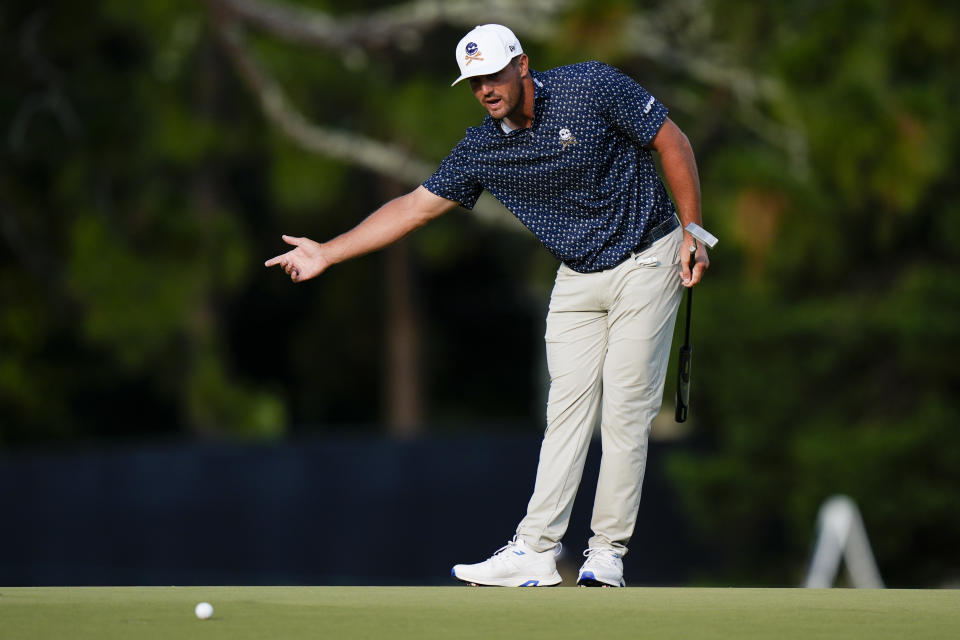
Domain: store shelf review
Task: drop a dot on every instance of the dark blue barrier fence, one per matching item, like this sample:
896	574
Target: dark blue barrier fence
314	511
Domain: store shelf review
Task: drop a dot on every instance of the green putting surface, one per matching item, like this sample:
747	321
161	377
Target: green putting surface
130	613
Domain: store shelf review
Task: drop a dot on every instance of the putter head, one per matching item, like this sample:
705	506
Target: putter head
701	234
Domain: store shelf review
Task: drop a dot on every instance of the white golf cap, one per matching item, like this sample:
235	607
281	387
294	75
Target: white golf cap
486	49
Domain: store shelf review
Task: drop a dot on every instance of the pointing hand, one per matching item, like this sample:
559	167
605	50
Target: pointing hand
303	262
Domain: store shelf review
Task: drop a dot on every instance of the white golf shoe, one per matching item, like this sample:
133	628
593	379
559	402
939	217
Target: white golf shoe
513	565
603	568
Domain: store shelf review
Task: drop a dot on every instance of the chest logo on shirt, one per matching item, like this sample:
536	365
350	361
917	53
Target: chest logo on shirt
567	138
473	53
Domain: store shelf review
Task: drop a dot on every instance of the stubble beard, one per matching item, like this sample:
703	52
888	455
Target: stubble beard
508	108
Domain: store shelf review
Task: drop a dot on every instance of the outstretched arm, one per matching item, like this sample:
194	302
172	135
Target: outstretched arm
680	171
386	225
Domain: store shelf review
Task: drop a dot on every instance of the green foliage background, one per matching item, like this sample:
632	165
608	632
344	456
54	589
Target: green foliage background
141	189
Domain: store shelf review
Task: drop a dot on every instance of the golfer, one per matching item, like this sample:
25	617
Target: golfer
569	152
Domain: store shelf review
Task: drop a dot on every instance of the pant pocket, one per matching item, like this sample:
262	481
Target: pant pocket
663	254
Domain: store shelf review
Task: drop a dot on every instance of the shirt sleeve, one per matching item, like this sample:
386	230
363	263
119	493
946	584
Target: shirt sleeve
453	179
626	105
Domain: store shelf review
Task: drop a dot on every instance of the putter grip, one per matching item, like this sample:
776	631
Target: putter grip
683	383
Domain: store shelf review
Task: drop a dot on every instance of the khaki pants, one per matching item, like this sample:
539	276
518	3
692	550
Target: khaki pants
608	345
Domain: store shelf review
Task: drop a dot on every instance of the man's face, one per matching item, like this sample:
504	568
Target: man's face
501	93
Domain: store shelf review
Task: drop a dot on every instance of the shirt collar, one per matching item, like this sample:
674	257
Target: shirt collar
540	92
539	89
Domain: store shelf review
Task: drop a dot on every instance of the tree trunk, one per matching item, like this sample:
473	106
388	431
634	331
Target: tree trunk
403	389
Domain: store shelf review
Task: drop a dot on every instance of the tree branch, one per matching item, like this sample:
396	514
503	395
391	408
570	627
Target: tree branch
704	61
642	35
388	160
401	25
50	99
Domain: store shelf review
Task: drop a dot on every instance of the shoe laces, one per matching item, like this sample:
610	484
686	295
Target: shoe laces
603	556
515	542
502	555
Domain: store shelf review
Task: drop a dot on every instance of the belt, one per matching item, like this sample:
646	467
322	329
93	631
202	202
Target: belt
662	230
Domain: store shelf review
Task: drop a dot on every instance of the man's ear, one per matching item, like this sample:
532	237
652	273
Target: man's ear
523	64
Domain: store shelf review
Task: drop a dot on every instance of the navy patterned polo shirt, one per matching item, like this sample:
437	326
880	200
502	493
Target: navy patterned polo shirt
580	178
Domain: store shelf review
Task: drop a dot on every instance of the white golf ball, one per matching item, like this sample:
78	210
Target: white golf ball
204	610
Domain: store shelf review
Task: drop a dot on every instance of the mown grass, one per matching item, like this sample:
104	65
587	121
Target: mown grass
132	613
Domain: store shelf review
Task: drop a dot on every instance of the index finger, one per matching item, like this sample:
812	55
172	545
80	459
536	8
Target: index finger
274	261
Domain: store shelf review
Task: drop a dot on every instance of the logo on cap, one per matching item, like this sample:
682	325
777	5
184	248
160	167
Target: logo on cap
473	53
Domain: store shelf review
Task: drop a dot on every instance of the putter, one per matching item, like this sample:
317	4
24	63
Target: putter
686	351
